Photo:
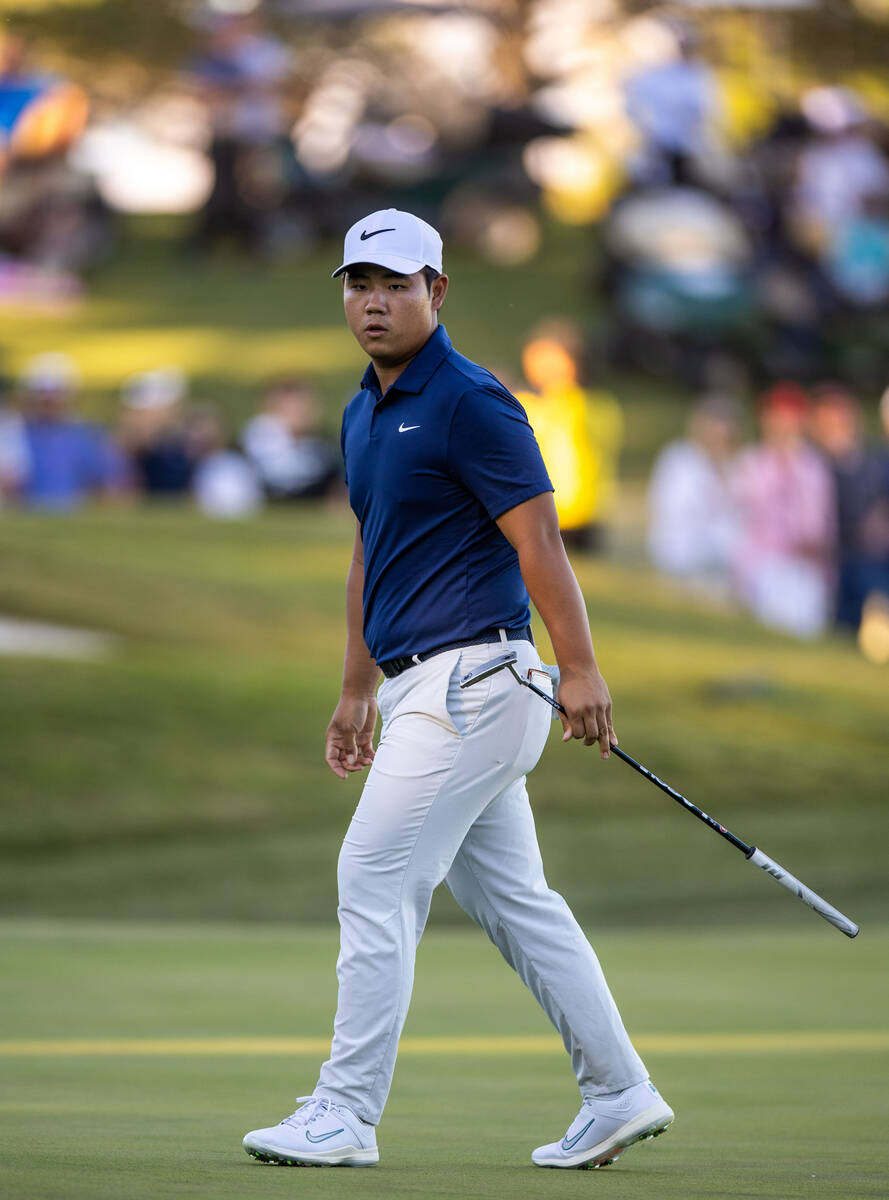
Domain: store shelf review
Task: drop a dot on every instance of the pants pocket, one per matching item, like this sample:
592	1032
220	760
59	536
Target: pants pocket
464	705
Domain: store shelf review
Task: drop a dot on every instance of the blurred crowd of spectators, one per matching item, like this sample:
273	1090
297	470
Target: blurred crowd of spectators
761	251
794	526
164	445
770	258
730	257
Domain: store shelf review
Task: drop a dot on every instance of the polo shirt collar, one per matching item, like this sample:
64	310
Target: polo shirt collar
419	370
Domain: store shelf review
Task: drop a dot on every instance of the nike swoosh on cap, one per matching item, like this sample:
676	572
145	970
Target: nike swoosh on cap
322	1137
569	1143
365	235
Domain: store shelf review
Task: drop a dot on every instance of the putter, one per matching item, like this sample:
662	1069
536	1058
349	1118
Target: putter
751	853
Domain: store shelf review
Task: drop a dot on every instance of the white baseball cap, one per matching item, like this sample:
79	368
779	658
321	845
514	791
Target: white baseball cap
160	388
50	372
396	240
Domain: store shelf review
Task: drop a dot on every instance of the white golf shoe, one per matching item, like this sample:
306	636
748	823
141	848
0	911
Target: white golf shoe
319	1134
603	1129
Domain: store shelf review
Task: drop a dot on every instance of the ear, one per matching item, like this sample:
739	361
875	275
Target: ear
438	292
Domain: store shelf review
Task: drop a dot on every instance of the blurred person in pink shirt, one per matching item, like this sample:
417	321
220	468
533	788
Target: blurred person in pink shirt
784	565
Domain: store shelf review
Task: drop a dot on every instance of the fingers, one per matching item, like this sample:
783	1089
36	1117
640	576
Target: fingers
602	739
342	754
365	740
591	726
582	725
587	709
332	758
348	742
342	764
577	724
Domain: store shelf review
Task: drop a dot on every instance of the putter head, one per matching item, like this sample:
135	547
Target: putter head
491	667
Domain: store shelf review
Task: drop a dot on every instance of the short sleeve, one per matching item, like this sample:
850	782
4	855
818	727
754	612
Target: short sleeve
492	450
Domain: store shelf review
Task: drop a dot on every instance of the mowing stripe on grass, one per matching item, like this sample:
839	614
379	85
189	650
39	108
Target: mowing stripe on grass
653	1043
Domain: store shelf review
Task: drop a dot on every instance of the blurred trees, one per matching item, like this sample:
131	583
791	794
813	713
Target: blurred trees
135	41
830	36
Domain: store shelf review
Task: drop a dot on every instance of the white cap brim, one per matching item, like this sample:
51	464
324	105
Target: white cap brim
391	262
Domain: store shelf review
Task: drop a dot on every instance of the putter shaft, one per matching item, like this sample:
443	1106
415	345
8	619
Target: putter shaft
759	859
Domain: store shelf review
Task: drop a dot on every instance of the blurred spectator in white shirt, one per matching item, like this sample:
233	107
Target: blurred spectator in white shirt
13	450
841	173
285	445
675	105
785	559
224	484
693	522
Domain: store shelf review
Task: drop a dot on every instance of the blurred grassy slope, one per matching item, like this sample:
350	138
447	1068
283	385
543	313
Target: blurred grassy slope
183	775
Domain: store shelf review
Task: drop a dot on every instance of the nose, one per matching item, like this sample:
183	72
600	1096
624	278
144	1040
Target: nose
375	301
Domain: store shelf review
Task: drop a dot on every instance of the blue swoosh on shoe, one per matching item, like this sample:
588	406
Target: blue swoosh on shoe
570	1143
322	1137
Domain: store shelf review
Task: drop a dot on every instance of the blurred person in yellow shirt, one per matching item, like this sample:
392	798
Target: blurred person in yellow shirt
579	431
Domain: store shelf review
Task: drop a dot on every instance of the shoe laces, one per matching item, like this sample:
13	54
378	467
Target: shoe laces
312	1108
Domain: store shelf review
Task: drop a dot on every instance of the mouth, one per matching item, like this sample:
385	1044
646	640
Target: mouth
375	330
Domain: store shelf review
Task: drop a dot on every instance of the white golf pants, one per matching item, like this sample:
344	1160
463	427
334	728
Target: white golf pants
445	799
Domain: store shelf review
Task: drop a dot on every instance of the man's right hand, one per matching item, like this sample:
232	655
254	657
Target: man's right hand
348	744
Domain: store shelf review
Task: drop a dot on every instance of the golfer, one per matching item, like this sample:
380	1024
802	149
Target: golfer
456	526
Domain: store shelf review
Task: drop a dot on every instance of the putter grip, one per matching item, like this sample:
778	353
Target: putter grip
778	873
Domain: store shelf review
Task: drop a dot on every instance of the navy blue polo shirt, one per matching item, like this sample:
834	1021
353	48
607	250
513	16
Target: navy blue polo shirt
430	466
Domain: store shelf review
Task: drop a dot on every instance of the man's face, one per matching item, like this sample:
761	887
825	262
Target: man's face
47	403
391	315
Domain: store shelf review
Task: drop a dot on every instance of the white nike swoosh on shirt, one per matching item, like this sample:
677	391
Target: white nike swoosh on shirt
402	428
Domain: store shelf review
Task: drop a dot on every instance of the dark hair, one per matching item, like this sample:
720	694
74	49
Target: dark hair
429	274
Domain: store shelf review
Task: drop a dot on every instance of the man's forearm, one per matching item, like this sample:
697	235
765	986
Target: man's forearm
360	672
553	587
532	528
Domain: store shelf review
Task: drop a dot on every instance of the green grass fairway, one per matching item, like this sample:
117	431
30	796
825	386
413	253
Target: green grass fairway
134	1057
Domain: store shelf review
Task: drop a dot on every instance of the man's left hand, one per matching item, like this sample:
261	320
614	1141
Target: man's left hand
587	702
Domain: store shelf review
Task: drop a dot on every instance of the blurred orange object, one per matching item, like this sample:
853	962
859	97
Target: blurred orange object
51	122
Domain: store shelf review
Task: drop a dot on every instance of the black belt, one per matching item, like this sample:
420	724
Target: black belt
394	666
